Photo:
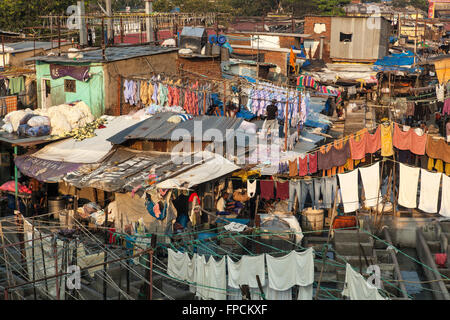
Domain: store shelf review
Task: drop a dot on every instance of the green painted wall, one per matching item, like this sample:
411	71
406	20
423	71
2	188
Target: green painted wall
91	92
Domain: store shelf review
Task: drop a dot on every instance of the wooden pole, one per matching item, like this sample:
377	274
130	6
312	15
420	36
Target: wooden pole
119	95
3	52
103	39
224	99
121	30
55	253
105	287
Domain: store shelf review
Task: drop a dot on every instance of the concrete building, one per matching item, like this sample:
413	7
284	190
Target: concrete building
102	89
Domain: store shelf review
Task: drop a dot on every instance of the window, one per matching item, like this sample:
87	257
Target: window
345	37
70	86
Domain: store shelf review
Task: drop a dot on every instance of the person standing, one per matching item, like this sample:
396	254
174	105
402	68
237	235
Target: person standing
271	123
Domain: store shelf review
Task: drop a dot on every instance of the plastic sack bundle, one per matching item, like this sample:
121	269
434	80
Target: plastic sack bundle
38	131
22	130
8	127
26	118
38	121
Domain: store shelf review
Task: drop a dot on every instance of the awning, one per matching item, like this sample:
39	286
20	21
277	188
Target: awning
44	170
211	168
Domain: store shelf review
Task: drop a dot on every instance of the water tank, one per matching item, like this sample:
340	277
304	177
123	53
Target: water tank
193	38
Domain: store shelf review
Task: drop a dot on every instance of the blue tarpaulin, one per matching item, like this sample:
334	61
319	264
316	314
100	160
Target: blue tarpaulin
396	62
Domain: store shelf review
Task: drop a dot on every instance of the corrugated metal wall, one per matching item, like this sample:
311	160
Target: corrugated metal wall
369	38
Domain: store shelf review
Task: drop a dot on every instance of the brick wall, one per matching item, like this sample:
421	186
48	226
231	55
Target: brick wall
309	27
206	66
275	57
310	21
285	41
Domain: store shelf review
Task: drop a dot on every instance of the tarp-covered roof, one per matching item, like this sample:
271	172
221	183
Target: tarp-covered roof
90	150
396	62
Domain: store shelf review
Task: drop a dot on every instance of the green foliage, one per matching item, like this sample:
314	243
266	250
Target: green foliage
331	7
17	14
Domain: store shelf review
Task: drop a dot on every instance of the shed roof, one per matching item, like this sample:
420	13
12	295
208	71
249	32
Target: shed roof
111	54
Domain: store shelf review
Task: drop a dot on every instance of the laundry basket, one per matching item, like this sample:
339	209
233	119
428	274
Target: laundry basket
312	220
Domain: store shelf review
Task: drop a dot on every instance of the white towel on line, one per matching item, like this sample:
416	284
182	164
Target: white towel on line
445	197
349	190
429	190
409	180
370	177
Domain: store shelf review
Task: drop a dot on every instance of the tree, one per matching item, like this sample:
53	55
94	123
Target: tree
331	7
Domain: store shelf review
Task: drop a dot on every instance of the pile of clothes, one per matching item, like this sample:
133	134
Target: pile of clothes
58	120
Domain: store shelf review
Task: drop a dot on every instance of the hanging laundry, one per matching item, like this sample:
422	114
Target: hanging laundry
244	271
294	189
409	180
337	156
251	188
303	165
312	163
326	187
283	190
373	142
266	189
438	149
445	197
370	177
358	144
349	190
200	277
410	108
295	268
446	109
177	264
409	140
387	149
440	92
215	279
429	191
357	288
144	93
293	168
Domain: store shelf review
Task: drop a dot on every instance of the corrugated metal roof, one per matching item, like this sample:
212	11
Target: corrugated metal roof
157	128
28	46
193	32
123	171
111	53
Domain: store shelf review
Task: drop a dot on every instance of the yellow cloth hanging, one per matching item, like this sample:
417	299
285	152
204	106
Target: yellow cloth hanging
430	164
243	174
447	169
439	166
387	148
